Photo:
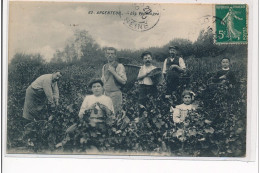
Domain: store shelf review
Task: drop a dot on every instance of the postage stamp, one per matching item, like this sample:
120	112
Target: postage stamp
232	26
127	79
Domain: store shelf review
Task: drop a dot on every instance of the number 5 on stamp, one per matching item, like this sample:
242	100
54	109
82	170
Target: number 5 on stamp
231	23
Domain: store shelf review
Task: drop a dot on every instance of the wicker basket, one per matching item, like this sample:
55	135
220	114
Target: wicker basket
131	74
156	75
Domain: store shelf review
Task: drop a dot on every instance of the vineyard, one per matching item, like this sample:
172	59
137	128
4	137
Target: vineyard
216	129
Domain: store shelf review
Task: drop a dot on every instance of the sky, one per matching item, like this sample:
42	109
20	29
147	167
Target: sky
44	27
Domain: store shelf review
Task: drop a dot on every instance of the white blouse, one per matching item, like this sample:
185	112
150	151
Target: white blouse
92	99
181	112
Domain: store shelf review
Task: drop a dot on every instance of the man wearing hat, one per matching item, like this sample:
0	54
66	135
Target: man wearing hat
173	66
146	85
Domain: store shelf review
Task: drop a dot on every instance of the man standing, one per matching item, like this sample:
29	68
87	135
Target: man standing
172	68
43	87
113	77
146	85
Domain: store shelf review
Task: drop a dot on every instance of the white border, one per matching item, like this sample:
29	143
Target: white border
51	163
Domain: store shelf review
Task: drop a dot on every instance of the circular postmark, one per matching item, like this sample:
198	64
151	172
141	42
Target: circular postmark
141	16
208	24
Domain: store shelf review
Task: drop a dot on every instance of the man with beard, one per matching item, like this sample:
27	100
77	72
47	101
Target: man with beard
146	85
113	77
172	68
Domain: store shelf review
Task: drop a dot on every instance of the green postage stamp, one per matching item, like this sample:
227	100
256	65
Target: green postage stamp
231	23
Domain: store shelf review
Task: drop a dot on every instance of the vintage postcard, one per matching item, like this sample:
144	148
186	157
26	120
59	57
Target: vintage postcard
120	79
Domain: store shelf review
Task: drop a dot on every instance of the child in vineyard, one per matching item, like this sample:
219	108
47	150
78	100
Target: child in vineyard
146	85
100	109
96	103
223	86
225	75
181	111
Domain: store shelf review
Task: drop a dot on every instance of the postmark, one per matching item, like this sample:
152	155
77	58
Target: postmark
141	16
232	28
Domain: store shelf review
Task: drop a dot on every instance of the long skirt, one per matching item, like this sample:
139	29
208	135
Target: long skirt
34	103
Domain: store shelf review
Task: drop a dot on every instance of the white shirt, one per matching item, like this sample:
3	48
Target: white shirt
181	63
92	99
225	69
144	70
181	112
50	88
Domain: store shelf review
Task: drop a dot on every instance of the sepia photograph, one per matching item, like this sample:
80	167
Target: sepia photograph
127	79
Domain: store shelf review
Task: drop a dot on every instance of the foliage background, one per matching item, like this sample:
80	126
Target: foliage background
218	128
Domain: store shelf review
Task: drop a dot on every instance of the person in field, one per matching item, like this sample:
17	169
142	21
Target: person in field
146	85
113	77
181	111
225	75
100	109
97	101
173	66
43	87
